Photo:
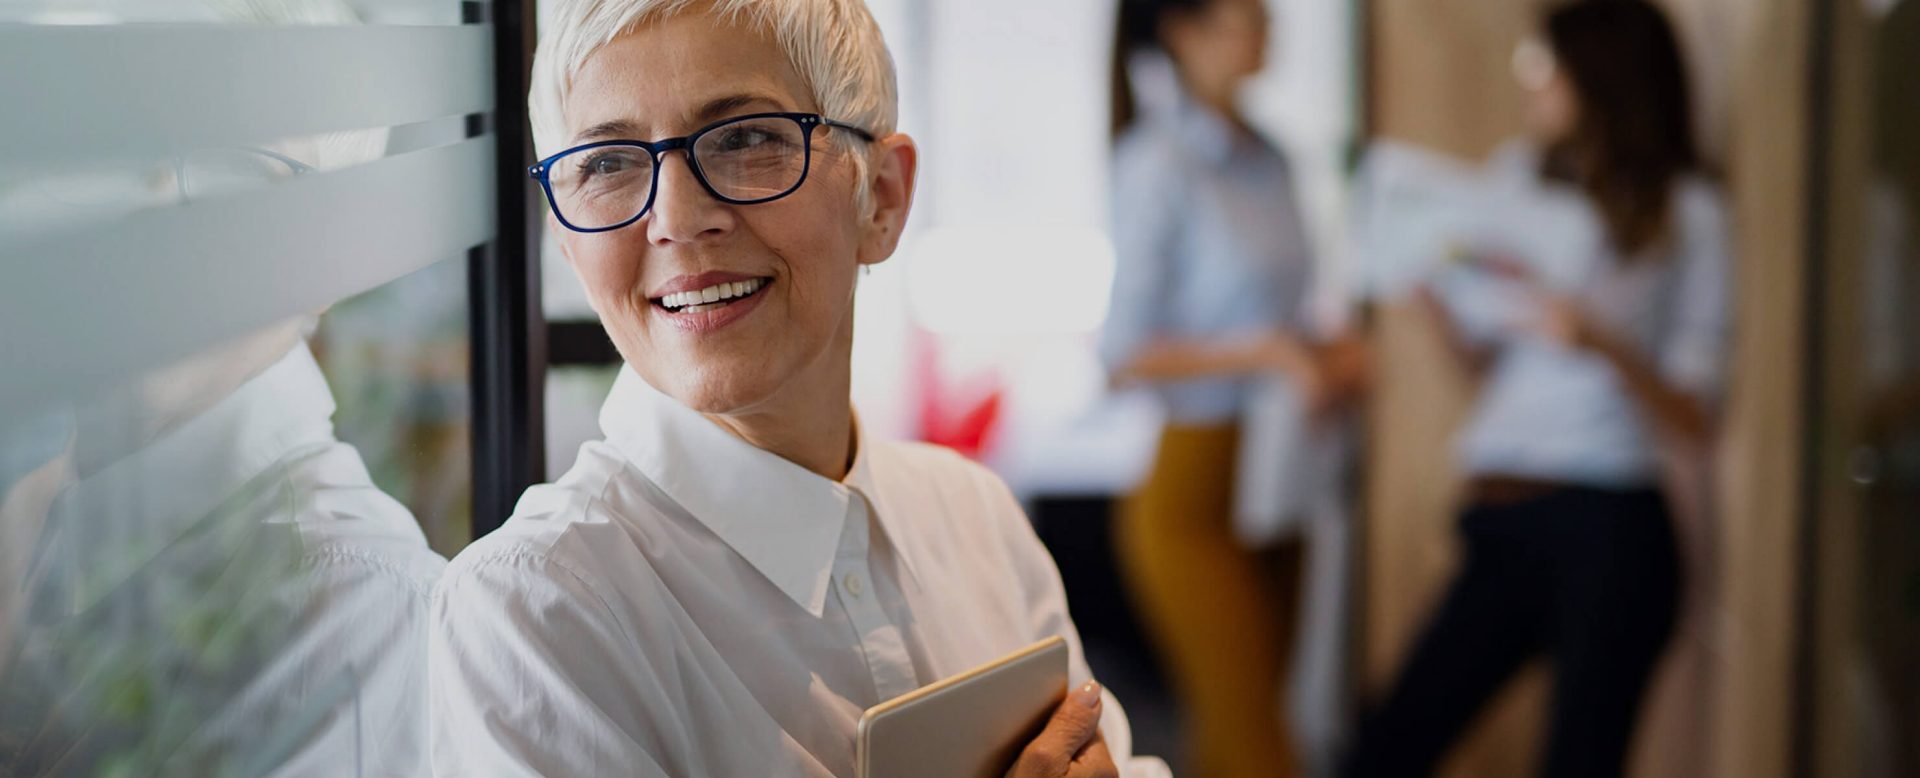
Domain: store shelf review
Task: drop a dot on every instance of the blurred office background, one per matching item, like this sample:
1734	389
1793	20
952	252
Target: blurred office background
179	176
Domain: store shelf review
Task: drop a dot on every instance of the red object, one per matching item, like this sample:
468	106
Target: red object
962	414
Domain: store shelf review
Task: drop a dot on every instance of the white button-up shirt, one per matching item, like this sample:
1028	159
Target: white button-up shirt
1209	243
683	603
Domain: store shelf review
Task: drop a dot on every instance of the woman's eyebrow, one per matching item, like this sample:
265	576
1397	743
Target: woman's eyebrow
714	110
721	107
617	128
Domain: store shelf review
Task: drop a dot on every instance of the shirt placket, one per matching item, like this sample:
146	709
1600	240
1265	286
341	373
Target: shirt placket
880	639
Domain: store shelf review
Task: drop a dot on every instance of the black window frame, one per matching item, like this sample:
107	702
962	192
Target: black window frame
508	327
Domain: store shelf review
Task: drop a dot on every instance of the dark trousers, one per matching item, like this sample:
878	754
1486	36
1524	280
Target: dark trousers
1587	577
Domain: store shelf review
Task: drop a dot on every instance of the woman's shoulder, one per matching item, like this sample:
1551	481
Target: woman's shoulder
1150	150
1699	196
961	502
561	535
1700	218
944	483
934	466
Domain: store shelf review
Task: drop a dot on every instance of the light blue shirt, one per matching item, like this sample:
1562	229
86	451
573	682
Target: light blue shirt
1209	245
1552	413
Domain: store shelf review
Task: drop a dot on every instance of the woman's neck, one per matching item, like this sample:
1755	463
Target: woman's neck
809	421
1221	99
821	440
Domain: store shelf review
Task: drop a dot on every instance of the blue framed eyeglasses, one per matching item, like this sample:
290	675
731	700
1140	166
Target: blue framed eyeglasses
744	160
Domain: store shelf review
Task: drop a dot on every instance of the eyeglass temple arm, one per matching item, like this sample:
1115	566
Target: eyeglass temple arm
861	133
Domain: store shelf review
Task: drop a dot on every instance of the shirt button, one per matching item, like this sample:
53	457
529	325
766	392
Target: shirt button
853	584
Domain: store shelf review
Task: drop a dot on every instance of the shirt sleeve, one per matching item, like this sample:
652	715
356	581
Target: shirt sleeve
527	675
1297	253
362	622
1047	612
1694	354
1147	192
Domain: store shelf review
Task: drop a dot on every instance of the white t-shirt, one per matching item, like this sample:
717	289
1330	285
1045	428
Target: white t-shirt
1555	413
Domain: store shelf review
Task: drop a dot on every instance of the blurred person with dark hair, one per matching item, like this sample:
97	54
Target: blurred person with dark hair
1209	299
1570	546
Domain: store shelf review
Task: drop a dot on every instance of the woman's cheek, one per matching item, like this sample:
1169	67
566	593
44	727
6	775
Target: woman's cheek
605	277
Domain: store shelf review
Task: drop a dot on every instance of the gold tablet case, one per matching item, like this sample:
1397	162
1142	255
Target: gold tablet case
972	725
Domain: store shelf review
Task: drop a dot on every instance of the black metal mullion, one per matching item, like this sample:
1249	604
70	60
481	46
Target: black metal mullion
508	328
1818	167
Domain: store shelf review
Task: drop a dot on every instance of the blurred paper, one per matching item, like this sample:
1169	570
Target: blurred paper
1481	236
1288	463
1410	206
1291	483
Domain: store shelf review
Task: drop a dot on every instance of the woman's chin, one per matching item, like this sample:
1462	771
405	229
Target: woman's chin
720	394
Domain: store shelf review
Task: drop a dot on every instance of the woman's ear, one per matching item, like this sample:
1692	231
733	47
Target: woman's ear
896	162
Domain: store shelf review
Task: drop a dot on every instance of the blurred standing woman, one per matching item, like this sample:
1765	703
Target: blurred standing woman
1209	295
1570	544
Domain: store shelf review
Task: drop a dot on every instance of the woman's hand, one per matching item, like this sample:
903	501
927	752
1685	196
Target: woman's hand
1426	301
1253	354
1561	319
1282	353
1071	745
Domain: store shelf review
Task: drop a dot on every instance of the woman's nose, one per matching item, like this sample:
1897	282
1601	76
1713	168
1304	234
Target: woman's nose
683	210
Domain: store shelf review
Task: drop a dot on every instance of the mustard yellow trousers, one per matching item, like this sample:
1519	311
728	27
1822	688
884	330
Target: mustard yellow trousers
1219	616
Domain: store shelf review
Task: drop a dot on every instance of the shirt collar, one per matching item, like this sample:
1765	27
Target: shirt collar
1211	137
186	473
1203	134
783	519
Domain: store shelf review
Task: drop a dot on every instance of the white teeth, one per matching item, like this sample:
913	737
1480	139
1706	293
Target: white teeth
690	301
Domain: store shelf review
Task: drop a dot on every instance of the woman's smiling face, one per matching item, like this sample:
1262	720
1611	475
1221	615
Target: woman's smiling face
789	265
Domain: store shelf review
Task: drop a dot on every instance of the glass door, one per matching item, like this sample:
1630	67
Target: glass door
1861	685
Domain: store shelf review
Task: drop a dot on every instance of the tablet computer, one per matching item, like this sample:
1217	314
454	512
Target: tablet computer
972	725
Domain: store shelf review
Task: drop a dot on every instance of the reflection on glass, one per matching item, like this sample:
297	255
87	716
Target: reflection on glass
198	576
76	194
1877	674
215	584
398	359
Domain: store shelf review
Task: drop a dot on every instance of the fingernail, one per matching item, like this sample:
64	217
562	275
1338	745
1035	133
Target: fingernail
1088	694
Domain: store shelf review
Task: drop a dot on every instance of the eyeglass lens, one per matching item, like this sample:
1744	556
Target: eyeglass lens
744	161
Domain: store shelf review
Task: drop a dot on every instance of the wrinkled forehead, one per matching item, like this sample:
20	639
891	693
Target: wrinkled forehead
670	76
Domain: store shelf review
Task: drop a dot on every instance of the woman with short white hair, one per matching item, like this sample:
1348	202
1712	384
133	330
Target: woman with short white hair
726	582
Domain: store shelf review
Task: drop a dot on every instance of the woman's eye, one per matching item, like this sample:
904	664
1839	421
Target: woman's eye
608	163
743	138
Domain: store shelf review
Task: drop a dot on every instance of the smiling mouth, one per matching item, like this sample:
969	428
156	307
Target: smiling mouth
712	298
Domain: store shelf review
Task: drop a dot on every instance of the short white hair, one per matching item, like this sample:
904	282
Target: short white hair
835	46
